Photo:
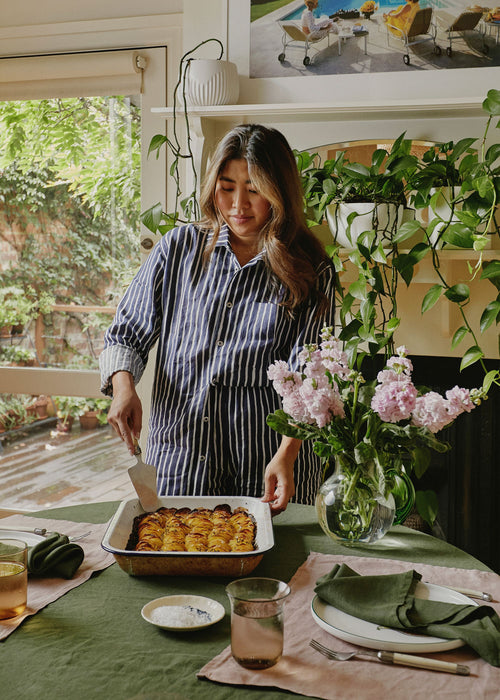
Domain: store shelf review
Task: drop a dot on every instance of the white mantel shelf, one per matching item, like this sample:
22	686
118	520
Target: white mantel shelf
321	111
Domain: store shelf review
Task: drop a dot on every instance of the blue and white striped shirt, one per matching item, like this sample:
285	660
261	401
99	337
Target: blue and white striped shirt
219	327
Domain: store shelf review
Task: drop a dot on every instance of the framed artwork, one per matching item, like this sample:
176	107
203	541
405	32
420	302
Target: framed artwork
359	37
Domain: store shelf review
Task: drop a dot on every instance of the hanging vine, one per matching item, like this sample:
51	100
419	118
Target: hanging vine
154	218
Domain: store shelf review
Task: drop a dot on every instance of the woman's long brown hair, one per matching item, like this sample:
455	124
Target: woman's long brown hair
292	252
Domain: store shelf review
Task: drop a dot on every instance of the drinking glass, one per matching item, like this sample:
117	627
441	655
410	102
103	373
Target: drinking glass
257	621
13	577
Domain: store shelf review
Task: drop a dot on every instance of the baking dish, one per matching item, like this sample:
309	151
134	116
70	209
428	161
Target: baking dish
188	563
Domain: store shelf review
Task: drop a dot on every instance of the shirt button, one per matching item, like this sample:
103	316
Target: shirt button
214	382
229	305
205	419
220	343
202	458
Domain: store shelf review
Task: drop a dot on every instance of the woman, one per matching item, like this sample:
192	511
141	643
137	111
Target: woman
224	299
401	17
312	28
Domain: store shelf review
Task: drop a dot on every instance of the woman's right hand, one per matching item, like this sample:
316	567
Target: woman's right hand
125	413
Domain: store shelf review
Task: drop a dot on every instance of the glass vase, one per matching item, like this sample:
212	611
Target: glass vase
350	505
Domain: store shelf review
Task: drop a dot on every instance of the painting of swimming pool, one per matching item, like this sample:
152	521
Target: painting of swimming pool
322	37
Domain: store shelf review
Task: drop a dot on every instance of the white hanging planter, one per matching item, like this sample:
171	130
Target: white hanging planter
210	81
384	218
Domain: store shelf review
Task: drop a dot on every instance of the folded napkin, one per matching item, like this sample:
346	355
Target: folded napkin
389	600
55	556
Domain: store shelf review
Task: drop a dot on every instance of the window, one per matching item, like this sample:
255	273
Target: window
69	216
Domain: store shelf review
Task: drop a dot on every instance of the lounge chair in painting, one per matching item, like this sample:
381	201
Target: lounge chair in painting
294	37
457	27
419	30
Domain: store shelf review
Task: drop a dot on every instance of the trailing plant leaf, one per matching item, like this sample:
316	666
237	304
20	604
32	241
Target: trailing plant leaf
458	336
427	505
431	297
458	293
473	354
490	314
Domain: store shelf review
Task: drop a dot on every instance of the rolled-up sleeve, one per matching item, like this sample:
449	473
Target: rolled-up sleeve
136	324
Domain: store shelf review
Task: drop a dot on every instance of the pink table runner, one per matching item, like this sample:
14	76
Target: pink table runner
42	591
303	670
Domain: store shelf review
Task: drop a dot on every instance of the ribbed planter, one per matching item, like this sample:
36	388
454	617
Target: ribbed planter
383	218
210	81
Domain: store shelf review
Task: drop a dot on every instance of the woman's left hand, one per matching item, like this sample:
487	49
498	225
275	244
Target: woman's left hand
279	484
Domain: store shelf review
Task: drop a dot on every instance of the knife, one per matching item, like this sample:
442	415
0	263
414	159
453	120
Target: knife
481	595
143	477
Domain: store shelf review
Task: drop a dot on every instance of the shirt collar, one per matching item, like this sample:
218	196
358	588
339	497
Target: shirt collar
223	242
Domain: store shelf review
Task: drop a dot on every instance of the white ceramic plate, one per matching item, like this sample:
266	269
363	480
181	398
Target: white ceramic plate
367	634
202	612
29	537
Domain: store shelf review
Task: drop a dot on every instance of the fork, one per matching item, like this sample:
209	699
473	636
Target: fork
393	658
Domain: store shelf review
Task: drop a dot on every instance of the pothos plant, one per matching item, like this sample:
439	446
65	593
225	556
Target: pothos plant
368	305
186	209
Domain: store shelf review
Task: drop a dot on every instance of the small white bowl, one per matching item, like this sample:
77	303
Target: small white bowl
202	612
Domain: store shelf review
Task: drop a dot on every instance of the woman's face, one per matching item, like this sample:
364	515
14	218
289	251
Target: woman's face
243	209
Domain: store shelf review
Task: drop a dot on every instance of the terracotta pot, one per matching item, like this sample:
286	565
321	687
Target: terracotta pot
6	331
89	421
41	407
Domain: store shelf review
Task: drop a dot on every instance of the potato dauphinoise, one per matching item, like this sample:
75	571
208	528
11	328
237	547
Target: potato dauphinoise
197	530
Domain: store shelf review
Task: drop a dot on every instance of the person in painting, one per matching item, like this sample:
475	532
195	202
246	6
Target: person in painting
313	28
225	299
401	17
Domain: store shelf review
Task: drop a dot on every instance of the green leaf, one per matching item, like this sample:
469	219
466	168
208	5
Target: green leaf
431	297
156	143
151	218
473	354
458	293
492	102
489	315
461	147
421	459
406	231
358	289
458	336
491	270
484	185
459	235
492	376
427	505
392	324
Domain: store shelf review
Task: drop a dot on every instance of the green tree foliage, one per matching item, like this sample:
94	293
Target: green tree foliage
70	181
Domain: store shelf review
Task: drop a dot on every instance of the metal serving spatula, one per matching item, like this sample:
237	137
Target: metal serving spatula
143	477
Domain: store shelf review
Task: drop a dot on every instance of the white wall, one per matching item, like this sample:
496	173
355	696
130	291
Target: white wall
33	12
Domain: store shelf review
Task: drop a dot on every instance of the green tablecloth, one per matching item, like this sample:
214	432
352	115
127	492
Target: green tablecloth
93	644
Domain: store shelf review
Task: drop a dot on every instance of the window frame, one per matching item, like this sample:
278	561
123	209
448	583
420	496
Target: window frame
34	380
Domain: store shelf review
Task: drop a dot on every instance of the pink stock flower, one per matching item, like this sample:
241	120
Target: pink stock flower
459	401
431	411
327	394
394	400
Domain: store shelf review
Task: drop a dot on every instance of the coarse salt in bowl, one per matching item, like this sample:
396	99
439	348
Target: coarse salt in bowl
181	613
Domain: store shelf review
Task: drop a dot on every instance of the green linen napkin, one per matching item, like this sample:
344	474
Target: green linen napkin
55	556
389	600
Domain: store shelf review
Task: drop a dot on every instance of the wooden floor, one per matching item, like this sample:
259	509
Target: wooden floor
44	469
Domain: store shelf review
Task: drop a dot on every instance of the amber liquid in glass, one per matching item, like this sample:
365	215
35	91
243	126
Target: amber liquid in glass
257	642
13	587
